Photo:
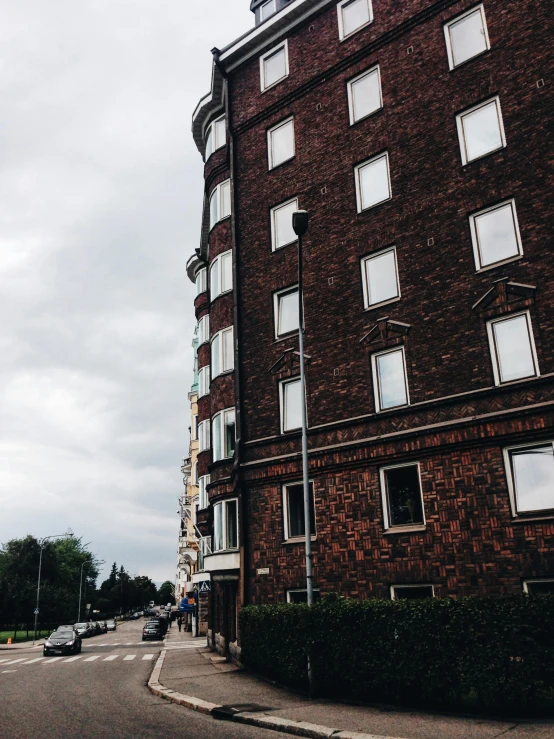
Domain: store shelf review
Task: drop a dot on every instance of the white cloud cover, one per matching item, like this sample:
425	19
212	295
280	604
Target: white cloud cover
100	196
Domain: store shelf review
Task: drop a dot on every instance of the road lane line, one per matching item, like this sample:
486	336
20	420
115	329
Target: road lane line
15	661
147	656
72	659
129	657
110	658
32	661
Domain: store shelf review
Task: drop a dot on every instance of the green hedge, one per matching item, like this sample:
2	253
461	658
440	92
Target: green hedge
468	653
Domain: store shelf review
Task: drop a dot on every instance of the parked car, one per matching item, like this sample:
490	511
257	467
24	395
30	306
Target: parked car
83	630
63	641
111	625
153	630
164	623
104	627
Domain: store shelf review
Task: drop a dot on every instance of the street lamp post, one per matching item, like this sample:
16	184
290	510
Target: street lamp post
42	543
87	562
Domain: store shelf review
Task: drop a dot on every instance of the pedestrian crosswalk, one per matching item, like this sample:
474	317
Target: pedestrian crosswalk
21	661
119	644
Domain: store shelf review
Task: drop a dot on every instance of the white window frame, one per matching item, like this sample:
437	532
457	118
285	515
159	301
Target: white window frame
368	258
273	214
340	6
273	4
475	239
537	580
283	45
350	93
276	310
226	364
204	330
541	513
219	260
376	381
204	436
216	193
288	120
226	548
201	281
448	38
282	384
194	428
194	473
211	130
222	439
410	587
461	130
204	381
357	170
285	501
300	590
494	353
388	528
203	483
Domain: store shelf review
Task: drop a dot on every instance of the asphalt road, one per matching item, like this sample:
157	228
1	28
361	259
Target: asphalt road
101	695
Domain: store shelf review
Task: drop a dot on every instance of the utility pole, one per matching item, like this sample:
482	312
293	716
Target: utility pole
42	543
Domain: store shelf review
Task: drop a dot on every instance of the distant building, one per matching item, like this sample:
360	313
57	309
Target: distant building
417	136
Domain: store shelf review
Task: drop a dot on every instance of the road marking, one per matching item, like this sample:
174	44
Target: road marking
147	656
5	672
72	659
52	660
15	661
110	658
6	659
115	644
129	644
32	661
91	659
129	657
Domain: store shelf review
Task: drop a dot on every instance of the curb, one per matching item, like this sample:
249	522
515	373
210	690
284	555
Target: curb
276	723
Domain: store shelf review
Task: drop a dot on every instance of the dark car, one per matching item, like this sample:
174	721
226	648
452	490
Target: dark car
154	629
84	629
63	641
111	625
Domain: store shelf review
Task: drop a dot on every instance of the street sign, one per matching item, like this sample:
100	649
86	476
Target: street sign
204	587
35	612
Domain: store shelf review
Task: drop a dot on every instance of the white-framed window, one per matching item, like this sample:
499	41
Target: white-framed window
226	525
353	15
411	592
203	436
221	274
372	182
495	235
203	331
364	95
274	66
481	130
512	346
539	586
290	401
203	483
280	143
267	9
204	381
201	281
194	428
380	278
216	136
300	595
293	511
466	36
402	497
285	307
223	434
223	352
220	202
530	473
390	383
282	232
194	474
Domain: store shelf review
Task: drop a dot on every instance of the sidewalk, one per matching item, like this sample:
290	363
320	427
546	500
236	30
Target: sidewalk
190	674
23	644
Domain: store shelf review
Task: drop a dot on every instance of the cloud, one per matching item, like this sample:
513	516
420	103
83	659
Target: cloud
100	197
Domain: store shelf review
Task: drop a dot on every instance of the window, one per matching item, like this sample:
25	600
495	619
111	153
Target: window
201	281
221	274
291	409
204	381
274	66
220	203
286	311
389	379
538	587
530	472
301	596
203	332
512	348
364	95
480	130
280	143
372	182
353	15
380	278
282	232
223	353
495	235
216	136
402	498
194	428
203	483
194	474
223	434
203	436
466	36
293	511
267	9
411	592
226	526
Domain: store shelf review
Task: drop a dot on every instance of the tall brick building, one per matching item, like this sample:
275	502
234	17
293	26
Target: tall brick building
419	137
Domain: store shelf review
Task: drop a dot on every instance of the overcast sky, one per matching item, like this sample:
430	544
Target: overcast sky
100	198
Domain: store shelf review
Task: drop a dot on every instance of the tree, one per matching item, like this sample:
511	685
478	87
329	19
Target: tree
166	593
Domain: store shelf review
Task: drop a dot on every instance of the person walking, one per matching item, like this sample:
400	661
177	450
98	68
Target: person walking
179	621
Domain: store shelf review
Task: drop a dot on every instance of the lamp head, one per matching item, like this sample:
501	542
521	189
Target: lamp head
300	222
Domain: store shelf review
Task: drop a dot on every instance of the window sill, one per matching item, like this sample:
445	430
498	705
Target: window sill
220	295
522	518
353	33
219	148
483	156
274	84
519	379
509	260
222	374
283	246
468	61
221	220
382	304
393	408
281	164
368	115
297	540
405	529
374	205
